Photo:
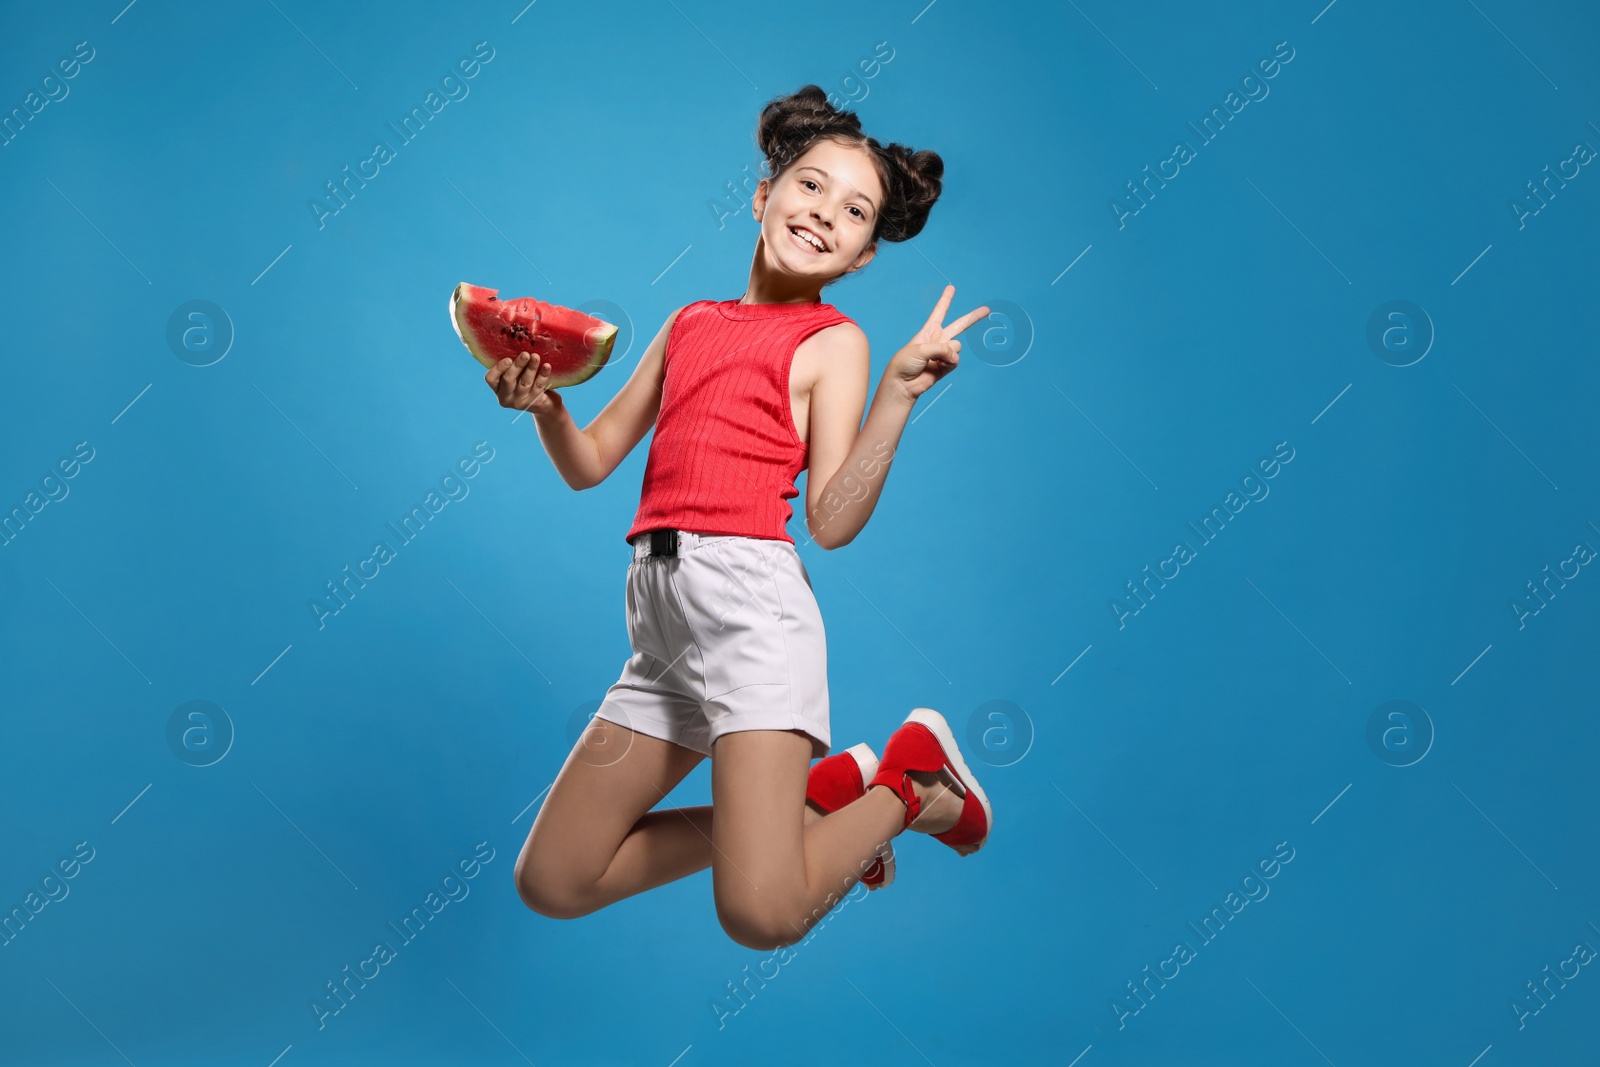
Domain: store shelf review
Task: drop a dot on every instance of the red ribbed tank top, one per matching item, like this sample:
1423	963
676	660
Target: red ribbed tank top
725	453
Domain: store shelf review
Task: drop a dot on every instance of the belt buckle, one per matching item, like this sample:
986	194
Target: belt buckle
664	542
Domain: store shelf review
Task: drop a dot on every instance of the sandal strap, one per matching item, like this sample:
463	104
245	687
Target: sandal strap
908	793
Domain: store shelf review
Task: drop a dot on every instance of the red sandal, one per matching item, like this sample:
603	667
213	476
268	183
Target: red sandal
924	742
839	779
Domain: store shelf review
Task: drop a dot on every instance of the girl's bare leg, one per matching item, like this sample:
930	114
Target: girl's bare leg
596	840
774	872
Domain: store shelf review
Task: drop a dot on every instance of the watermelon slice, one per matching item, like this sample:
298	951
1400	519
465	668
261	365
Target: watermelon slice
575	345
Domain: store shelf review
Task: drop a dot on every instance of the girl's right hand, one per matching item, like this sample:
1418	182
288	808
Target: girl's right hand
523	385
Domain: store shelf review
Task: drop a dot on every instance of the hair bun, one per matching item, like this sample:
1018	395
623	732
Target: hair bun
918	174
790	124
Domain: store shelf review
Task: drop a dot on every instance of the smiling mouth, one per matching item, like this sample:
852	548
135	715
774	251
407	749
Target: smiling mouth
804	243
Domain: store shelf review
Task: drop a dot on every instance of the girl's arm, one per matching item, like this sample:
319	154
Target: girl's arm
585	458
849	461
849	467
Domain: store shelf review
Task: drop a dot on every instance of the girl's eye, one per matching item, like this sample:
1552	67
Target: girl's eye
859	213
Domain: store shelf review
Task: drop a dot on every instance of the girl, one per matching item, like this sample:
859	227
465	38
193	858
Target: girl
729	657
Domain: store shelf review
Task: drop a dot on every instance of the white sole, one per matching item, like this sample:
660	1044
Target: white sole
866	760
947	741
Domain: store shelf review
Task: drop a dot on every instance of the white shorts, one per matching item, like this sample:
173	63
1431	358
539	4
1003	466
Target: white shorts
726	636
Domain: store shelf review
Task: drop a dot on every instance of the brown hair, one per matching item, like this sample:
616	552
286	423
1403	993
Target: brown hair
911	178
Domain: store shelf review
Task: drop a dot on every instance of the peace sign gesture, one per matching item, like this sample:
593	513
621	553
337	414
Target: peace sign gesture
934	351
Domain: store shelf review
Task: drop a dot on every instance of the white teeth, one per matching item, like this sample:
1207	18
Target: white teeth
809	238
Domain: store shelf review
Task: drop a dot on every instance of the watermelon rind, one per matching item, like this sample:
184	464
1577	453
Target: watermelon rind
464	330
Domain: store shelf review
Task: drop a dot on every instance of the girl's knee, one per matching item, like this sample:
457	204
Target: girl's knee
547	893
757	932
761	924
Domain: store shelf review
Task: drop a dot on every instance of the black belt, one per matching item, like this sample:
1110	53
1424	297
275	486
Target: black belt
663	542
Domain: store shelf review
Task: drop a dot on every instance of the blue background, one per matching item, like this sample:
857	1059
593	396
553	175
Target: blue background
1110	406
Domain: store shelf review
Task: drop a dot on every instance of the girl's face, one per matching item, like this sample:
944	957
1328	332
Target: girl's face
831	193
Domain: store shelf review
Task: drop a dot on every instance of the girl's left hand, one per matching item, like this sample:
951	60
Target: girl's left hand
934	351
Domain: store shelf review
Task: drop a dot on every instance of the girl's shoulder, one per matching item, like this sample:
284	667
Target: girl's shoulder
689	311
693	310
